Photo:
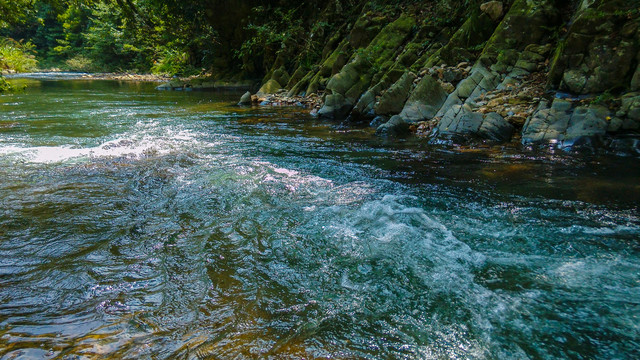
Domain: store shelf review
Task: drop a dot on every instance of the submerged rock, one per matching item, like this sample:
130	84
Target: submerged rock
564	125
459	121
335	107
396	126
245	99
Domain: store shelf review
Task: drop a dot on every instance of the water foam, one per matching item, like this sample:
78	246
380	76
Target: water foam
127	146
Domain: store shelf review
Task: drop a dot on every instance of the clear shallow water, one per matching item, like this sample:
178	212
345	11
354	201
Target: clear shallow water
144	224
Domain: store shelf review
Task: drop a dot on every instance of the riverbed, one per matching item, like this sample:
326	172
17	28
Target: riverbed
175	225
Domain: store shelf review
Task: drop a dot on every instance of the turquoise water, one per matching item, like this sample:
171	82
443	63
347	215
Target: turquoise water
169	225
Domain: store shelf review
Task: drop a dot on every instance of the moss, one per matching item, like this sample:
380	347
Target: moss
473	32
344	48
297	76
332	44
313	87
270	87
365	29
372	62
558	64
386	44
300	86
527	22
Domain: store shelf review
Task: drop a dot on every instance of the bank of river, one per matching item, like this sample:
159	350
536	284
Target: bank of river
143	224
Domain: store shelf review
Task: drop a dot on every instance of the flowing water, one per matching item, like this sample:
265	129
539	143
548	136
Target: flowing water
174	225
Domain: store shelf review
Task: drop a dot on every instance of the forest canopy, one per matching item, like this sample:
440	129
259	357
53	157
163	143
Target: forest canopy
165	37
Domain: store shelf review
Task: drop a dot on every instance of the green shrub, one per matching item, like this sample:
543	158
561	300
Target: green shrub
173	62
17	56
4	85
80	63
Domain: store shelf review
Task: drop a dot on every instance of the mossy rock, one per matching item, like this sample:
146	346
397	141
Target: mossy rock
592	60
393	100
396	126
297	76
313	88
365	29
387	43
354	78
327	68
332	44
526	22
270	87
301	86
347	77
425	100
281	76
635	80
336	106
473	32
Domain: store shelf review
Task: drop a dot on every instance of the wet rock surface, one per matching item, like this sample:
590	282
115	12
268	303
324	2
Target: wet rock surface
512	80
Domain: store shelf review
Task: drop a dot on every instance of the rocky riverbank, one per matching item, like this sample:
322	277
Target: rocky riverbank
127	77
541	72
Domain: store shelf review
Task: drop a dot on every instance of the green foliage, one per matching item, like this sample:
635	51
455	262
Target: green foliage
110	44
4	85
17	56
603	99
80	63
14	12
113	35
173	62
272	30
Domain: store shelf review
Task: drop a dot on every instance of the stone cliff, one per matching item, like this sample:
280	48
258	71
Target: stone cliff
536	71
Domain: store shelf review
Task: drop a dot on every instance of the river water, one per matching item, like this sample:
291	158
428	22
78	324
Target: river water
175	225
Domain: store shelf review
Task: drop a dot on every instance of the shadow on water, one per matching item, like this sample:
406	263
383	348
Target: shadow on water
145	224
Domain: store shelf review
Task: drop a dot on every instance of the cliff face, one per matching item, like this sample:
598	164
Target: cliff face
537	71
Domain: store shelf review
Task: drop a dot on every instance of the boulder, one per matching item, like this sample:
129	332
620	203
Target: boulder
631	106
564	126
172	85
635	80
393	100
364	106
270	87
281	76
378	120
461	122
245	99
336	106
495	9
496	128
396	126
586	122
547	124
425	101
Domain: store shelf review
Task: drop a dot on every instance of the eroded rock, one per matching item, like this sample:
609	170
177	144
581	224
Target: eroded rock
396	126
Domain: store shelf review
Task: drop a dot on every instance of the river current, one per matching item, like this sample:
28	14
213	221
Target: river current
138	224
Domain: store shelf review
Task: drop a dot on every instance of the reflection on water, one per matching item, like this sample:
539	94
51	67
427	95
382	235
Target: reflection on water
143	224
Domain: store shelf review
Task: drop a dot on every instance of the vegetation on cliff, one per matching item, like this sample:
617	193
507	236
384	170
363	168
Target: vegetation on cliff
449	68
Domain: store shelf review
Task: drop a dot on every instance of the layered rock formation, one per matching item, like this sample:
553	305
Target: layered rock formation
535	71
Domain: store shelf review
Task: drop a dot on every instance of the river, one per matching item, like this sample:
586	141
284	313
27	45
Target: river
140	224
